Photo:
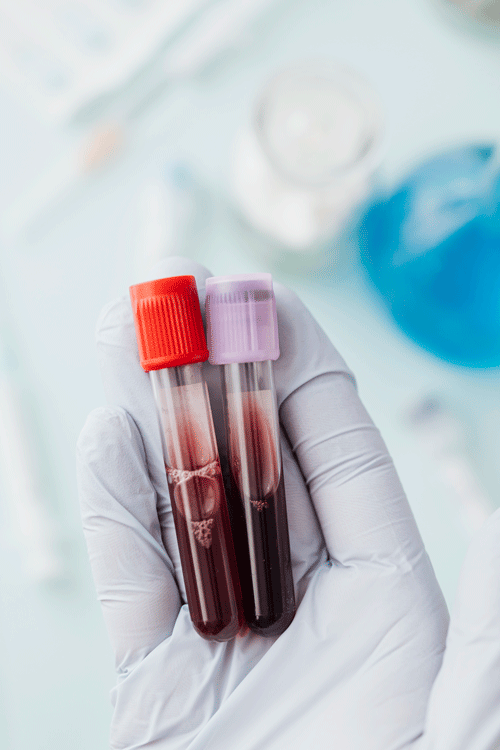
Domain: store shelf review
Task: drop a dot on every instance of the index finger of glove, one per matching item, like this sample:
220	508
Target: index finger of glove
363	511
133	574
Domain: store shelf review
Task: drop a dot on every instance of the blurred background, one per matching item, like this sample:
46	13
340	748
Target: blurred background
349	147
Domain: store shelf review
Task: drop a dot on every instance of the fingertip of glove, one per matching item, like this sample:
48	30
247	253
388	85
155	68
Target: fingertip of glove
106	425
115	317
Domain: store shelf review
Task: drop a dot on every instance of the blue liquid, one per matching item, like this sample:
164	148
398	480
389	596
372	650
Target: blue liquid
433	251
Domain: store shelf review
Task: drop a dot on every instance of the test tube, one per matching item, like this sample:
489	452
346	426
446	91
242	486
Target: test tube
242	333
172	347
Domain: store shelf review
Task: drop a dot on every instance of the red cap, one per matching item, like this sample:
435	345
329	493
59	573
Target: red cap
168	323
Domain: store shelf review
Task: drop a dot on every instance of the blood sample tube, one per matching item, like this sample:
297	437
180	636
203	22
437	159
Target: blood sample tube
172	347
242	334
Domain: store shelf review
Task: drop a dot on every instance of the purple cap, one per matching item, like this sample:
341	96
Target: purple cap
241	319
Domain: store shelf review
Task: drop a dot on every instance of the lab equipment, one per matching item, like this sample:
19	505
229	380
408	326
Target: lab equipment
68	57
106	90
431	248
308	157
64	56
172	348
242	332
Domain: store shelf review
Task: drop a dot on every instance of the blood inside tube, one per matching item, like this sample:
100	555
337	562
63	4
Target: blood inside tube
202	527
201	518
260	525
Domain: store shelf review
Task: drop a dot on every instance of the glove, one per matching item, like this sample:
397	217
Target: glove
356	669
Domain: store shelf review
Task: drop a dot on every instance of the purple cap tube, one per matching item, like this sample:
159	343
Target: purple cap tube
241	319
242	335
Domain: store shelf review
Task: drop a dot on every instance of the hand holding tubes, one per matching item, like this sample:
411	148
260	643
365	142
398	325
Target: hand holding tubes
244	337
357	666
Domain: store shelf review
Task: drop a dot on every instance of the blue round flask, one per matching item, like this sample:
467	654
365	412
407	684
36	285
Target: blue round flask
433	251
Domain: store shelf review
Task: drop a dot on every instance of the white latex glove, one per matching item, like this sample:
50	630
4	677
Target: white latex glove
355	669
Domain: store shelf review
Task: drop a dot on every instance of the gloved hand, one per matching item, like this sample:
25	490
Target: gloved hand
355	669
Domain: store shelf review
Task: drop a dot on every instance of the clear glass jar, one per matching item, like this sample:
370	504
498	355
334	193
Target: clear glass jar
308	156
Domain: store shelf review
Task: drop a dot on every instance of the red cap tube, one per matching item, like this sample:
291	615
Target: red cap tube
168	323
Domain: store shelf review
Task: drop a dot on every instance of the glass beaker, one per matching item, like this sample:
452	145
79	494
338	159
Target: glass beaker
309	154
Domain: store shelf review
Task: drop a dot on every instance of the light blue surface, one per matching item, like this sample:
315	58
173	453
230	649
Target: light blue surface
439	87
